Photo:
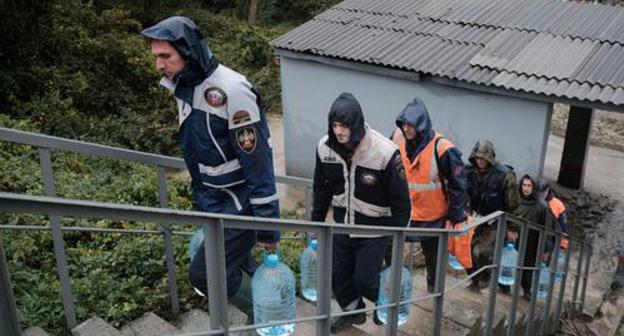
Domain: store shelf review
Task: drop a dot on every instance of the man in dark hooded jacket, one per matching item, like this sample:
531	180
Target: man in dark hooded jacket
492	186
436	178
536	211
359	172
225	140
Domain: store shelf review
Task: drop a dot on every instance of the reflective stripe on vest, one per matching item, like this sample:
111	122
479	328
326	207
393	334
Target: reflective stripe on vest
426	191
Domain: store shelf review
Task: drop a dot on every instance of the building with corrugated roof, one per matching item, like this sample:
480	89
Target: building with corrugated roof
485	68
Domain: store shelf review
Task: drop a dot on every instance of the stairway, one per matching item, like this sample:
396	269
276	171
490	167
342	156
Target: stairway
463	314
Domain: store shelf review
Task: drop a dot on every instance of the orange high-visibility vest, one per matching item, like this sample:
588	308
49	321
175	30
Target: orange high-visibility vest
556	206
429	201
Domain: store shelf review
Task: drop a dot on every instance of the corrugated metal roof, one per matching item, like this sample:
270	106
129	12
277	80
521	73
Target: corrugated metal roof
563	49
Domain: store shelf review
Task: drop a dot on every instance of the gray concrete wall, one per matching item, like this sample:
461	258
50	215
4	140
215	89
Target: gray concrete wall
518	127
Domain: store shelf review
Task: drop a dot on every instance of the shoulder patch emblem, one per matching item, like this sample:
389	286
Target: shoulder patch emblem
241	117
368	179
246	139
215	97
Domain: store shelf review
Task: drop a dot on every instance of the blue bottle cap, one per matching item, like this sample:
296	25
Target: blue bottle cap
271	260
510	246
314	244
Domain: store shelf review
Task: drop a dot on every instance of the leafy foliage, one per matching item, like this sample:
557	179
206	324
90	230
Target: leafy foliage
80	69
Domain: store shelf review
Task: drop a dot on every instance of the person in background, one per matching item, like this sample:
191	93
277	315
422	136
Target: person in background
436	178
359	172
535	211
558	210
492	186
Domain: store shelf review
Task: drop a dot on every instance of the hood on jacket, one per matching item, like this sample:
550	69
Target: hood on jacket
483	149
416	115
185	37
535	191
346	110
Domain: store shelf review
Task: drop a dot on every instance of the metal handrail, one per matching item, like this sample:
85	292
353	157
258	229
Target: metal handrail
87	209
213	225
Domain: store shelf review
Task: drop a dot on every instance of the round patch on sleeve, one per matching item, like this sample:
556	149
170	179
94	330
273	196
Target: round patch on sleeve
241	117
246	139
215	97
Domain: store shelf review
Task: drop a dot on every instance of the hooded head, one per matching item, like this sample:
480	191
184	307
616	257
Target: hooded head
483	149
524	186
187	40
544	190
347	111
415	114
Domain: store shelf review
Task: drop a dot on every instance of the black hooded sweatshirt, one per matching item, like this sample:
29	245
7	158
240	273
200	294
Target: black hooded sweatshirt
365	180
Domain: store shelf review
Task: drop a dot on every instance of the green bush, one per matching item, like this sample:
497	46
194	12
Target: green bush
117	277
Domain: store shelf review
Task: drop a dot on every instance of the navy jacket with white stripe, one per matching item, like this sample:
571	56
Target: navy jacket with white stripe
223	131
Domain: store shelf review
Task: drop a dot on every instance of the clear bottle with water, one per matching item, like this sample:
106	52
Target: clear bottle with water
454	263
560	265
273	293
385	286
544	281
509	261
308	271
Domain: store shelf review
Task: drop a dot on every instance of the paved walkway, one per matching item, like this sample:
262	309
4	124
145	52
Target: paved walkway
604	170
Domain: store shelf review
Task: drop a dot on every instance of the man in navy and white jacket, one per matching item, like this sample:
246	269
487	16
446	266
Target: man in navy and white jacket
359	172
225	140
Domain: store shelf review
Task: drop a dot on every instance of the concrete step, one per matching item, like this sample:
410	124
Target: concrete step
305	308
198	320
149	324
95	326
34	331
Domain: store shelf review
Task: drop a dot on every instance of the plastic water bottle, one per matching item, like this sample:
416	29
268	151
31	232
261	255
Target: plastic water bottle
384	294
509	261
308	271
560	265
544	281
196	241
454	263
273	293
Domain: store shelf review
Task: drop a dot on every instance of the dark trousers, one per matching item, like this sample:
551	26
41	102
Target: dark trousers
430	251
356	266
238	258
529	259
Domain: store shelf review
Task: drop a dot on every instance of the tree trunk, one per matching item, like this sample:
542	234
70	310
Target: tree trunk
253	9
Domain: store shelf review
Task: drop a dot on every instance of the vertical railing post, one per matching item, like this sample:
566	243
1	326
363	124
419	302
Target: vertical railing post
45	160
323	303
501	229
411	257
308	203
577	279
308	210
168	238
398	241
524	234
9	322
562	288
214	252
440	278
535	281
551	283
585	278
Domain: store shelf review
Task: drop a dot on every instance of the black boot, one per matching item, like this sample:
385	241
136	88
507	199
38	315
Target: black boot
243	300
341	323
